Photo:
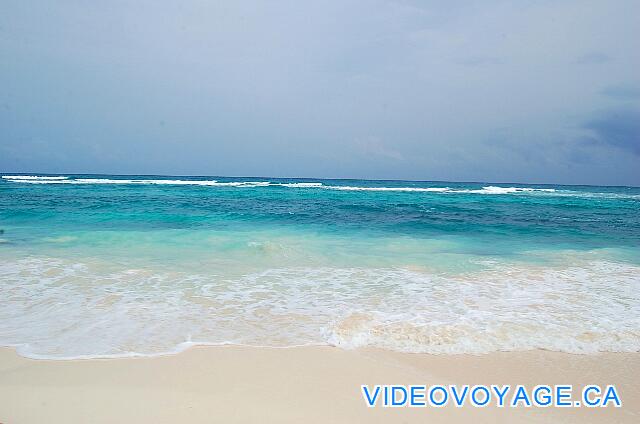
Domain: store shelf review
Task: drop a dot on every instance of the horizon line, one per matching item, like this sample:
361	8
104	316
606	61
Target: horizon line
313	178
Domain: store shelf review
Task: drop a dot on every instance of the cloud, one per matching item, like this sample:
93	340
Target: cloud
480	61
622	91
619	128
373	146
593	58
403	89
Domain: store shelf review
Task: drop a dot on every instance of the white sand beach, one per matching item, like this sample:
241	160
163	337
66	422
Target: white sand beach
295	385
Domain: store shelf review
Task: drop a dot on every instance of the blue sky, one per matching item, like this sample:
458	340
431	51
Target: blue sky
530	91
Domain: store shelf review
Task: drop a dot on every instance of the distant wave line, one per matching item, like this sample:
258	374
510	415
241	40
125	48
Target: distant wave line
487	190
32	178
215	183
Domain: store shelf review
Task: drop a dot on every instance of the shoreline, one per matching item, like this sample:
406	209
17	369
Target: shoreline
185	347
295	384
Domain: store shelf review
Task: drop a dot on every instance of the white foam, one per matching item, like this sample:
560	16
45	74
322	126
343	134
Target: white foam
32	177
301	185
505	190
215	183
211	183
487	190
54	308
142	182
407	189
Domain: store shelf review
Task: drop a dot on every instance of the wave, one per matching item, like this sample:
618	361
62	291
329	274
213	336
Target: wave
32	178
409	189
67	180
506	190
216	183
301	185
486	190
55	309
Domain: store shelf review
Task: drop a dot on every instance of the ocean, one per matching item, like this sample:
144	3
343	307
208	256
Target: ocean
108	266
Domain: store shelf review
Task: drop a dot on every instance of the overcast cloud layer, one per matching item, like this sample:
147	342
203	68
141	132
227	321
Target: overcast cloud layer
539	91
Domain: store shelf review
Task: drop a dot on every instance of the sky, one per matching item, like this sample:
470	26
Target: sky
495	91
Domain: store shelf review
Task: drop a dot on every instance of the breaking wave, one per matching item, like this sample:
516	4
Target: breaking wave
30	178
307	185
485	190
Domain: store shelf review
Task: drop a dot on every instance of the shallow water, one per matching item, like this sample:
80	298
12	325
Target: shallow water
94	266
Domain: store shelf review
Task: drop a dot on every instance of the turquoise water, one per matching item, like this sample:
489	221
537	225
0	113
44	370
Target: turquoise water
101	265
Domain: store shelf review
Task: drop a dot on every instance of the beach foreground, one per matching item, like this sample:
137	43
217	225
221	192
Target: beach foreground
308	384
